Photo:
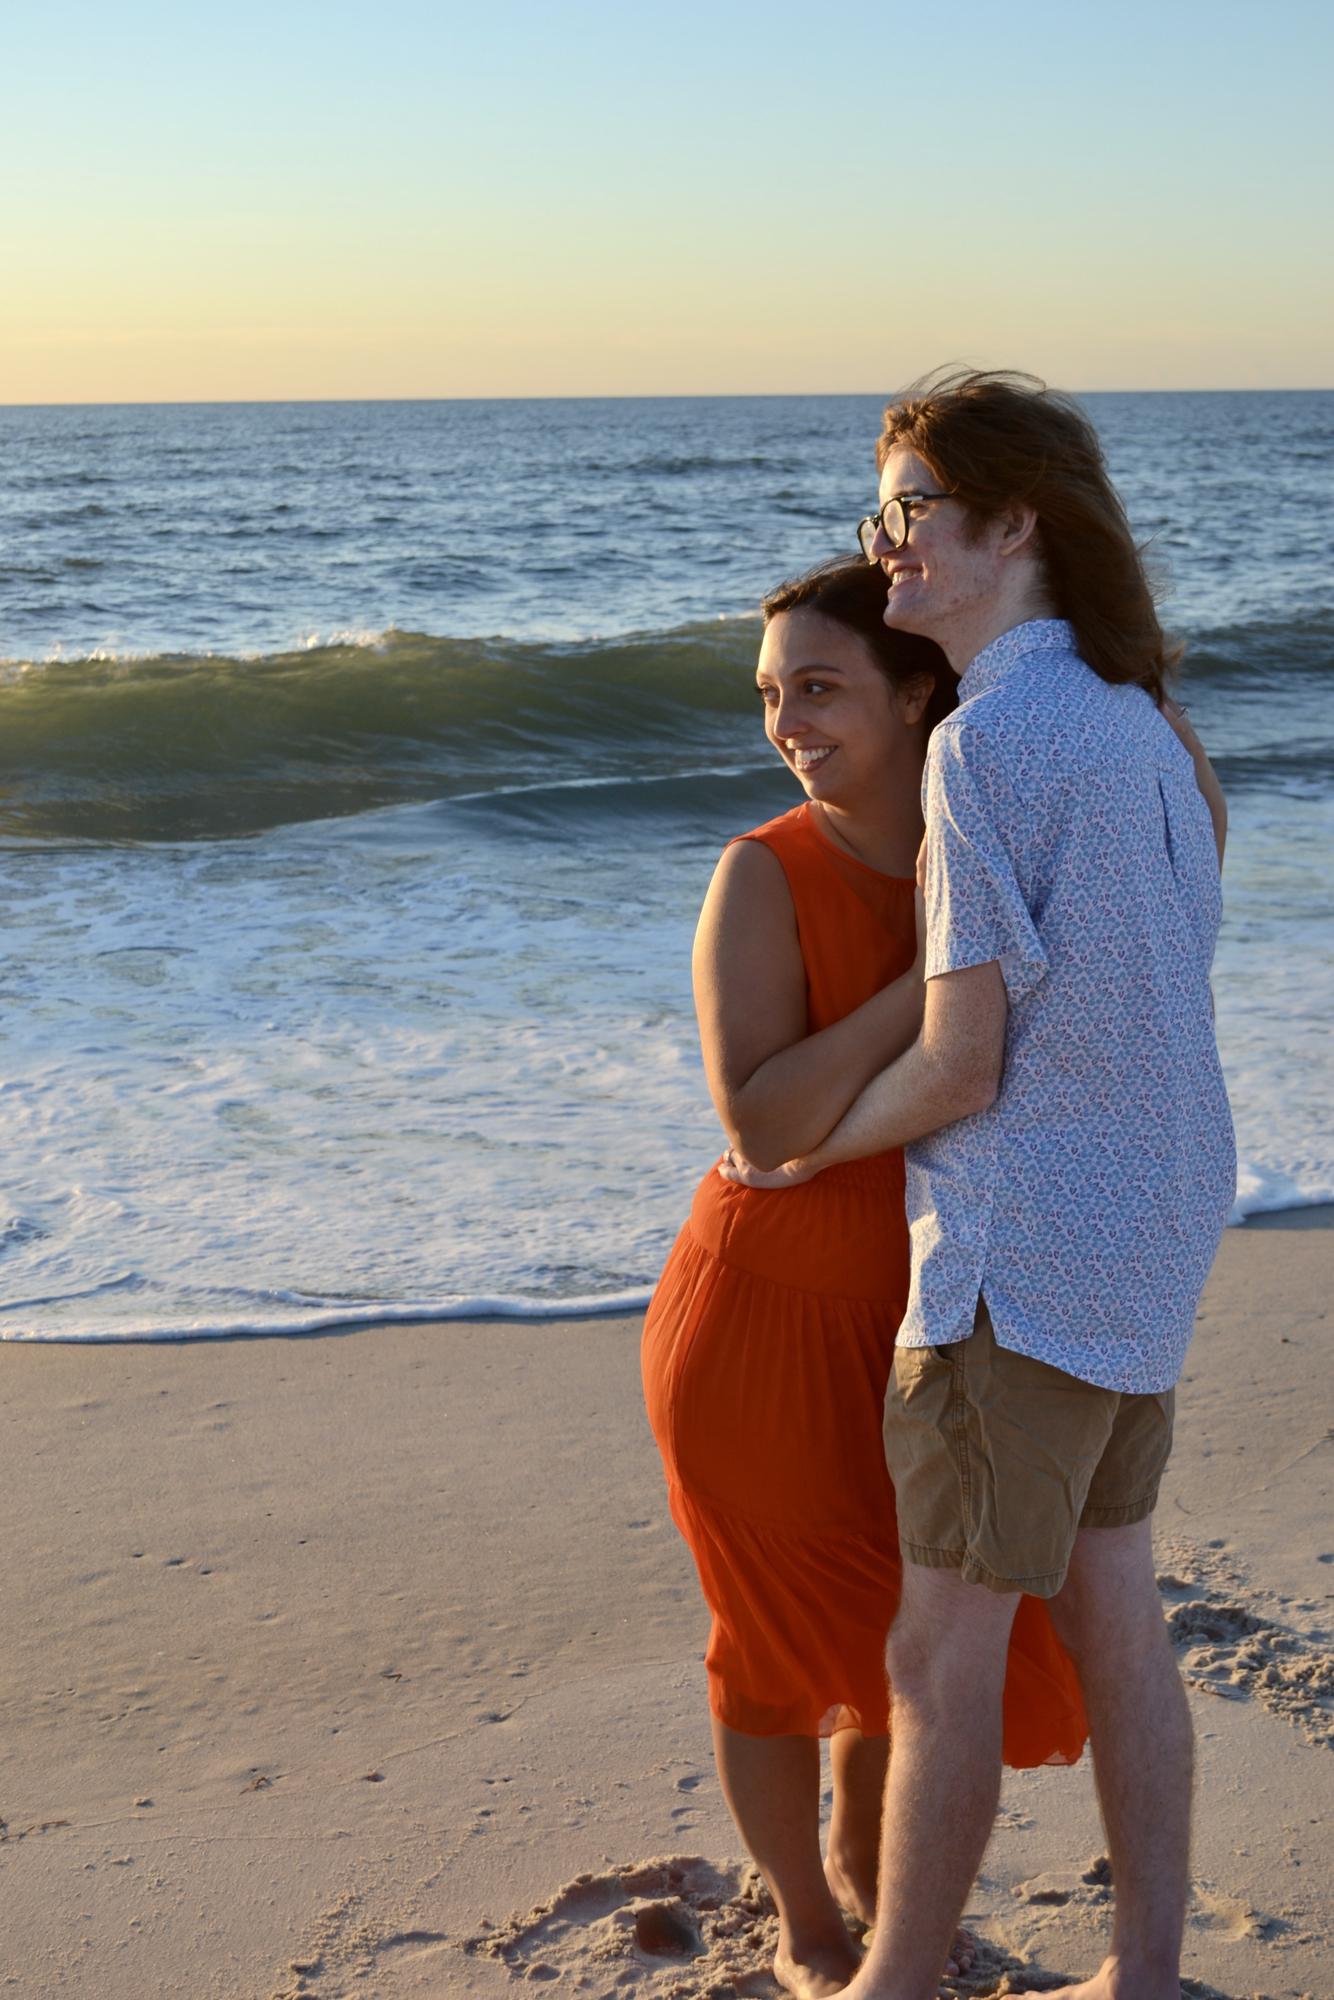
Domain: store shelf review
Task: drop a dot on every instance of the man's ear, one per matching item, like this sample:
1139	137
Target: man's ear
1019	529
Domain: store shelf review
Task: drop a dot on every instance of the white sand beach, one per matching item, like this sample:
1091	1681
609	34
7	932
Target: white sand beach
370	1664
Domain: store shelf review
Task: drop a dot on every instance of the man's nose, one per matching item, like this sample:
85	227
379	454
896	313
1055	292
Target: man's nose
881	546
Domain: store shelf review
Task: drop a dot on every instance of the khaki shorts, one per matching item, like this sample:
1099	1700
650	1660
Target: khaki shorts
998	1460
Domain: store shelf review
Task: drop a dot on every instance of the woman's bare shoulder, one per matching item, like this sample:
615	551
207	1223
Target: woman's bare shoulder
750	876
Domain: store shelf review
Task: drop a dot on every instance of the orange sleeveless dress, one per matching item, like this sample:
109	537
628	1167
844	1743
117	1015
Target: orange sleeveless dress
766	1356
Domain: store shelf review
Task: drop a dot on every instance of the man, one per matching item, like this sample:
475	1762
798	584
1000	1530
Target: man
1070	1159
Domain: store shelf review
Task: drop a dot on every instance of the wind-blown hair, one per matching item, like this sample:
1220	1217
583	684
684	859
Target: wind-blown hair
993	439
853	594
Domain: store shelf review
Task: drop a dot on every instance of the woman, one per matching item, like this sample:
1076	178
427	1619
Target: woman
768	1345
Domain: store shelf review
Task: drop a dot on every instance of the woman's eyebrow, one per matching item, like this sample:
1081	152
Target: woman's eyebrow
794	673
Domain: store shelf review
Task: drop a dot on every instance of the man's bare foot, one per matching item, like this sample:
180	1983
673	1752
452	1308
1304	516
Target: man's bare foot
815	1968
962	1952
1116	1979
854	1891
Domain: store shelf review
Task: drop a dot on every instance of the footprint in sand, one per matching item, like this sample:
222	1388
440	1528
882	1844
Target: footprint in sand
1232	1651
681	1927
1042	1905
1211	1911
346	1947
1086	1893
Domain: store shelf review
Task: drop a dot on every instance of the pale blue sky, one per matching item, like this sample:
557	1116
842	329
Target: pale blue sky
301	199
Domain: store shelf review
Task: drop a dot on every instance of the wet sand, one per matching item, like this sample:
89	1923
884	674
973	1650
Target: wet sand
370	1664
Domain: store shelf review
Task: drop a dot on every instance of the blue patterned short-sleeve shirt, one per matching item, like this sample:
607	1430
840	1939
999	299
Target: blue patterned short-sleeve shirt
1067	839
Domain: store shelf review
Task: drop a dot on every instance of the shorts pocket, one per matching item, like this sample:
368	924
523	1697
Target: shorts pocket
911	1363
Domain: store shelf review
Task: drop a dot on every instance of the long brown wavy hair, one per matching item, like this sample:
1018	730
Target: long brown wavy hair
996	438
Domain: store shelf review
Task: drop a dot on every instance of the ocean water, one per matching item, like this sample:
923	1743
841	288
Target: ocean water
361	771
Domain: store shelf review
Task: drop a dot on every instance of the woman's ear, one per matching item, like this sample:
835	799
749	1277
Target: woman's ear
914	698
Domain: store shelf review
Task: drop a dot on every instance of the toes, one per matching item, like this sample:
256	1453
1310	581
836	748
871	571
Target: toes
962	1954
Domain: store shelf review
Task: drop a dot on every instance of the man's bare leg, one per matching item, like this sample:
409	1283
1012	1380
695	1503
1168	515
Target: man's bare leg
947	1655
1110	1616
772	1787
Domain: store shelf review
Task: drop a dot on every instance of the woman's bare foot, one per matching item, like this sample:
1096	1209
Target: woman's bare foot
815	1968
852	1886
963	1953
853	1889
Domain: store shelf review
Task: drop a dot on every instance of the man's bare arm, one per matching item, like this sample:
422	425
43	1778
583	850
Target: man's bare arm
951	1071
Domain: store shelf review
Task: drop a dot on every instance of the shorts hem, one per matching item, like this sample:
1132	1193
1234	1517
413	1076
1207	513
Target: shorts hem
972	1571
1119	1517
925	1558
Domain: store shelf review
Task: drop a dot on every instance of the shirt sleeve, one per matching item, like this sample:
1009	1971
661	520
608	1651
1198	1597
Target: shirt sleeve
975	908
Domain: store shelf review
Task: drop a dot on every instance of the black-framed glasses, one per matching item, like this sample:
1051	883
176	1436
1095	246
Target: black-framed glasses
894	520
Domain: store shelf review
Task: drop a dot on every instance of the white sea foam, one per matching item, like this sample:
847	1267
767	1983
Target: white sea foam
365	639
337	1073
1274	990
1265	1190
416	1066
280	1320
117	653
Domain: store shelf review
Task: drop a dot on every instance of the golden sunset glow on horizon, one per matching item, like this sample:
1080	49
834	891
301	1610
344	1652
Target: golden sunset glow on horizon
425	205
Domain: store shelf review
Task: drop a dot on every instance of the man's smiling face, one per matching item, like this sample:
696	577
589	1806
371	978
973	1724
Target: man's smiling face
947	569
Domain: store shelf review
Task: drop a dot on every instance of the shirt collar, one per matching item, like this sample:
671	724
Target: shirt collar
1036	635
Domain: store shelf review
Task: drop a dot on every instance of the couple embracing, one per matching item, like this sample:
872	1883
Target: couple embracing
911	1362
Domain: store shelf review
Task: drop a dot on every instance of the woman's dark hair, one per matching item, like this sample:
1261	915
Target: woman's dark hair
992	439
853	594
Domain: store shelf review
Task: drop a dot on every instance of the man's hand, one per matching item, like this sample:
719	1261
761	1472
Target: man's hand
741	1173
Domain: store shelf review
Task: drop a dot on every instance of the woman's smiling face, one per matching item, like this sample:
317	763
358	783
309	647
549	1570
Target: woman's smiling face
833	716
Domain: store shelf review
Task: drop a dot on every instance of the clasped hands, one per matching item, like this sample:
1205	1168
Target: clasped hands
741	1173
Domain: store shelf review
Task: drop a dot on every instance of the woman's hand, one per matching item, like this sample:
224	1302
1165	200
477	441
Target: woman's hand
1205	775
742	1174
919	905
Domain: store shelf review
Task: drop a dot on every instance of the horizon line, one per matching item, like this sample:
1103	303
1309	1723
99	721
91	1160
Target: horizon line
612	396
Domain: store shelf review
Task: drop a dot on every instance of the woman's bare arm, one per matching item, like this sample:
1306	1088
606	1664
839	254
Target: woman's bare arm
777	1089
1205	775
